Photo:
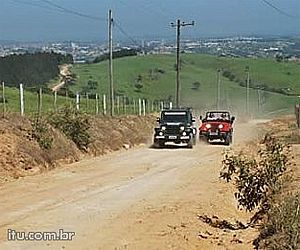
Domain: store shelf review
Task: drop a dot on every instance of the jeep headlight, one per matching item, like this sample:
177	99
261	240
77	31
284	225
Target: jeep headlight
221	126
163	128
161	133
184	133
208	126
181	128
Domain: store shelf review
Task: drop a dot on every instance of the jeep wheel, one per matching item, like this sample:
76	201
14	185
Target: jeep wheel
202	139
190	143
194	140
227	140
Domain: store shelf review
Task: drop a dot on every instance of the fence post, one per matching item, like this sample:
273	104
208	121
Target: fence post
97	104
55	101
40	93
171	105
118	105
21	99
66	100
297	113
140	107
3	99
77	101
161	105
134	108
87	102
104	104
144	107
152	106
124	103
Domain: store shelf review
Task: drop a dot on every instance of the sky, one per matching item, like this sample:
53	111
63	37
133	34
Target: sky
86	20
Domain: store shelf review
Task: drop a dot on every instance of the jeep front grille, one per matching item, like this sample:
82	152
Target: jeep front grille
172	130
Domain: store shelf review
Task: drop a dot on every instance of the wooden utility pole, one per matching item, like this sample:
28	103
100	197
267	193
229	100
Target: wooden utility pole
248	91
111	80
178	25
219	90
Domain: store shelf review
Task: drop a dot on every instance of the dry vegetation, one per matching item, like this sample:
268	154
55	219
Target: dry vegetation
30	145
265	183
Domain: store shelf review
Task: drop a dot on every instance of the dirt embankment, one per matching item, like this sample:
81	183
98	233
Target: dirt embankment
21	155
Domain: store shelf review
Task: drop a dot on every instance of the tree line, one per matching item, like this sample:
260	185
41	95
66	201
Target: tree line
117	54
33	70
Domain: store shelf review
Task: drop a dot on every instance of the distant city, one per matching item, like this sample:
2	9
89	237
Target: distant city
86	52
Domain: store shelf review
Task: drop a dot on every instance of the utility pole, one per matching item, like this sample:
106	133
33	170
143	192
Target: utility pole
219	90
110	46
248	91
178	25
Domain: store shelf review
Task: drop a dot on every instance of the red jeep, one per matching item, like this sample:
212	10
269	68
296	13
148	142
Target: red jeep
217	125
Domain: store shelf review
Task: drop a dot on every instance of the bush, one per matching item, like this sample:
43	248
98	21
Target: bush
257	180
74	124
41	133
282	228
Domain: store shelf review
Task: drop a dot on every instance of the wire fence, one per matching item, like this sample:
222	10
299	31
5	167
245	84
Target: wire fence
40	102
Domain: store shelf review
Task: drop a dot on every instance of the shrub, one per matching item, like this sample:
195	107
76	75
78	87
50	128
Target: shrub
282	228
74	124
41	133
257	180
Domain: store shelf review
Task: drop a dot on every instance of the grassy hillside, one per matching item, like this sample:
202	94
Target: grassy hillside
153	77
30	101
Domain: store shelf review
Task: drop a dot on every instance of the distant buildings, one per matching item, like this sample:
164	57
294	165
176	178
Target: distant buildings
84	52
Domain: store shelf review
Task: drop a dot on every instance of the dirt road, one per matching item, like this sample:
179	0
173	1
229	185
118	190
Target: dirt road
142	198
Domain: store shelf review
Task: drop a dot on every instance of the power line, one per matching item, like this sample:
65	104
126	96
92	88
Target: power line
35	5
57	8
119	27
73	12
280	11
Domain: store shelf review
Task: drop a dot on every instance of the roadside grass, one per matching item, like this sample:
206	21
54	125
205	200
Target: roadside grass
12	97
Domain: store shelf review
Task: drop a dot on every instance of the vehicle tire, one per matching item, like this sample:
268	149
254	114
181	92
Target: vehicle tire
230	138
194	140
227	140
161	144
190	143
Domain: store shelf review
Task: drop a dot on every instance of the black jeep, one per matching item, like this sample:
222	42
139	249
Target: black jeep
177	126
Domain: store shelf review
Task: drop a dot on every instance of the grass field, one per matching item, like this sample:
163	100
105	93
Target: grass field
12	96
152	77
156	74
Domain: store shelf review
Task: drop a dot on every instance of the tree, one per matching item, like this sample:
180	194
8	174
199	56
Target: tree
196	85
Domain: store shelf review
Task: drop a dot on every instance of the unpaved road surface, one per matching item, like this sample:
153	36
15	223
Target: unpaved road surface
142	198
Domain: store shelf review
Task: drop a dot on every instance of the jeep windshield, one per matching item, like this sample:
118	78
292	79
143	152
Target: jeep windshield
174	117
216	116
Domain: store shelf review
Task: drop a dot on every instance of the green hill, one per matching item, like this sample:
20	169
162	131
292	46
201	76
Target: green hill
153	77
